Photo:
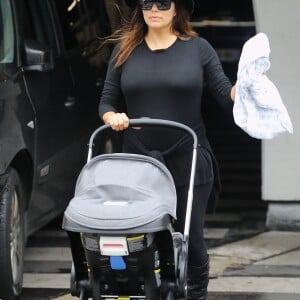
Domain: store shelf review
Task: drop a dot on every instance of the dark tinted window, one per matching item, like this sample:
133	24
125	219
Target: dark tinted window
72	22
36	22
6	33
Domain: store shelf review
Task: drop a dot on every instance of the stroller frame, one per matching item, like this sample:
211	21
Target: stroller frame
81	283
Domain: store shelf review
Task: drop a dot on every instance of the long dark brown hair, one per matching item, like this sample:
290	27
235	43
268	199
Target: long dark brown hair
133	32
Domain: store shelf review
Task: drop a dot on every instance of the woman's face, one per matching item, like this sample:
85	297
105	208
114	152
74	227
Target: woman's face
159	19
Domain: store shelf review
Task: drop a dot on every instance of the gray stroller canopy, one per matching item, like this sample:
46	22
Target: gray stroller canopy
121	191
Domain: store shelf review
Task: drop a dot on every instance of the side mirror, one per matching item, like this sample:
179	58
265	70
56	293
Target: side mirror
38	57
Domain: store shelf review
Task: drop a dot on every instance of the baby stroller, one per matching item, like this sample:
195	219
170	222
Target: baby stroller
120	226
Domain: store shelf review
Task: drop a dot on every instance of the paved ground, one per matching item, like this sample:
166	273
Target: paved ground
247	261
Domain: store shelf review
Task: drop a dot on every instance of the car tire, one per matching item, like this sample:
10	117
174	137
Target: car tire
12	235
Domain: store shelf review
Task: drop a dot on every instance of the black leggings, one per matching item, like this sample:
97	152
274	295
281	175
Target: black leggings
197	246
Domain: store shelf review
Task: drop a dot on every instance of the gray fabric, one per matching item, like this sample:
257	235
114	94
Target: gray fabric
160	224
121	191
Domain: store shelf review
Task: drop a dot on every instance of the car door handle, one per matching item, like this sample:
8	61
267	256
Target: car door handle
70	102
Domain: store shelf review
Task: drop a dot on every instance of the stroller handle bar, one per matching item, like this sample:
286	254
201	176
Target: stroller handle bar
164	123
146	122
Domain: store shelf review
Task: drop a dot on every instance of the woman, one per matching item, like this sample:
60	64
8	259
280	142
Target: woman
158	70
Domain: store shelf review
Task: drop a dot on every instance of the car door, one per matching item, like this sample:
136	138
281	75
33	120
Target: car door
50	93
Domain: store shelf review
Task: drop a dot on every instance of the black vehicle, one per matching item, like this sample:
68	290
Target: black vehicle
51	76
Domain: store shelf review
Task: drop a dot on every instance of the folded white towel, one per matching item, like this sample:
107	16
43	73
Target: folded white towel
258	107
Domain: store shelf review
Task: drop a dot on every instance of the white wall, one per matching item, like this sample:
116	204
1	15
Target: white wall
280	20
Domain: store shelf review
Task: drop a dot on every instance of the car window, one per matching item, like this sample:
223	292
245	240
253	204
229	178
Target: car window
72	22
6	33
36	22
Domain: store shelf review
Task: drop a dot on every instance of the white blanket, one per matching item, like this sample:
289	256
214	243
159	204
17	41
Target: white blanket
258	107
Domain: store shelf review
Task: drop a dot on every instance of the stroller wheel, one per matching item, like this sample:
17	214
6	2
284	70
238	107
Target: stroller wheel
96	290
75	287
152	291
182	264
170	295
73	284
83	294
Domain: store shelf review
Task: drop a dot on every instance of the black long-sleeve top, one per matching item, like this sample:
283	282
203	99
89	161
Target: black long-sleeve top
165	84
168	84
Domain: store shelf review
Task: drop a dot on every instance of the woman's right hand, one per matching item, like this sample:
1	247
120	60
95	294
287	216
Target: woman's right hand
117	121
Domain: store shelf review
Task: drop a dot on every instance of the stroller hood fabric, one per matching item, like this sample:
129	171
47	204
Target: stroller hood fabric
258	108
120	191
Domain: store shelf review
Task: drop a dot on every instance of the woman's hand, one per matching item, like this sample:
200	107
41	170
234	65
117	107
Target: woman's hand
117	121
